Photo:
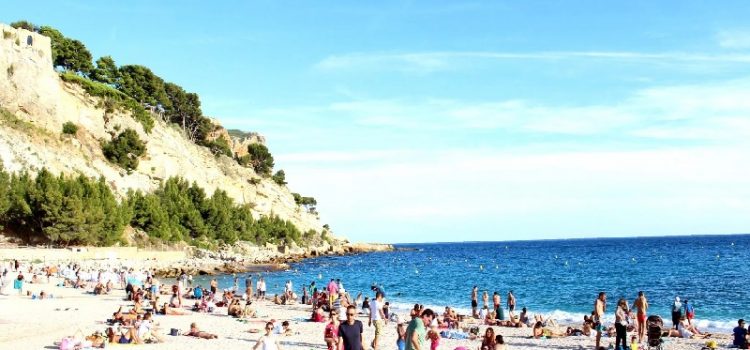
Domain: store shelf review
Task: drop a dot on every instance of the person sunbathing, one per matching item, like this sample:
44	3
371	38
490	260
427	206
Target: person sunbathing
686	330
195	332
490	319
99	289
123	317
124	335
234	308
249	310
166	310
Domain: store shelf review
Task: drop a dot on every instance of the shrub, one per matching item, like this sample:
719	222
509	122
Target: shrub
10	70
279	178
7	35
125	149
70	128
259	158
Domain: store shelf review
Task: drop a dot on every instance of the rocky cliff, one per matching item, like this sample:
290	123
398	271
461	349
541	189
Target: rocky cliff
36	103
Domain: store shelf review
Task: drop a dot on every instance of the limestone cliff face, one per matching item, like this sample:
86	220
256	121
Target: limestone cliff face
32	91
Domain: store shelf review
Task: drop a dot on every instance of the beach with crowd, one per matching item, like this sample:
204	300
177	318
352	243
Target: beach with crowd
95	304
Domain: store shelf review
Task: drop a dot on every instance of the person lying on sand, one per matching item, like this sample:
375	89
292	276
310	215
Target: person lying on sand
166	310
124	335
195	332
540	331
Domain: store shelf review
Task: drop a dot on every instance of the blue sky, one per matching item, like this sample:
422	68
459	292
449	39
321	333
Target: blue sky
416	121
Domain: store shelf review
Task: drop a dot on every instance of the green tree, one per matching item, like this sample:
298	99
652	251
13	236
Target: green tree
106	71
143	85
70	54
259	158
125	149
4	195
279	178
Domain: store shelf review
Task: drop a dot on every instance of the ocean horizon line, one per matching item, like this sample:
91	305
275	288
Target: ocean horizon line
575	238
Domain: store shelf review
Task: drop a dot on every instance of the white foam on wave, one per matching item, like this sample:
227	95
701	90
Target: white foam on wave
573	318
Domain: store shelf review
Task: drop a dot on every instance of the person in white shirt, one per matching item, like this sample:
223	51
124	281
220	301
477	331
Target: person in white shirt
268	341
377	317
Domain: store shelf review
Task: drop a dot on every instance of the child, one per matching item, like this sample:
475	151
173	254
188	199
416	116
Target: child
401	341
434	339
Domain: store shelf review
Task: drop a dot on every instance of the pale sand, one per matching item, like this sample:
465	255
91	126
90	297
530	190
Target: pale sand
38	324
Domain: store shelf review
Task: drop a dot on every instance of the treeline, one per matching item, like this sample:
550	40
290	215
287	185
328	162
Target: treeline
78	210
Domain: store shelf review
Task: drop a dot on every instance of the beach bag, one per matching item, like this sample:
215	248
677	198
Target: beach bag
174	332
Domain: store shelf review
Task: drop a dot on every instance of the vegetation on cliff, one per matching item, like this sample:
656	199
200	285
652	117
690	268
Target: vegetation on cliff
78	210
62	209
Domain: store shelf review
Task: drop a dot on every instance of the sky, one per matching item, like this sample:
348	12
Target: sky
421	121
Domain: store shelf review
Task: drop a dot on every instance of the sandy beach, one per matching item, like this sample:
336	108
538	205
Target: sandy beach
27	323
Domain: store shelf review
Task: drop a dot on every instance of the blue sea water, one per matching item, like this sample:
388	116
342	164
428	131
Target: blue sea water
553	277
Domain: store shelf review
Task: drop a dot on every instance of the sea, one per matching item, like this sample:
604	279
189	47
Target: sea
557	278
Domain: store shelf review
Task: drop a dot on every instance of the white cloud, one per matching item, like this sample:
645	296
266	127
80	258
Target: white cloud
681	165
504	189
427	62
734	39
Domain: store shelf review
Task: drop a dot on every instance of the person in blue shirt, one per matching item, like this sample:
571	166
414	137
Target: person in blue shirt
689	311
198	292
740	334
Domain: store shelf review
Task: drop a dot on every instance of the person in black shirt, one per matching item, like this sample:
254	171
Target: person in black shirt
350	332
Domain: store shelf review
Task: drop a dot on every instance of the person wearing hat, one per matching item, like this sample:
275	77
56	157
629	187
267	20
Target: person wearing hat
676	312
740	335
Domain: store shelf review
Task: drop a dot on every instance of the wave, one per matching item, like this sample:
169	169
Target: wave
570	318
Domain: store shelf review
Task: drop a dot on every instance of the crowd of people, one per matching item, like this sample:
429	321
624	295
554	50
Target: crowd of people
332	305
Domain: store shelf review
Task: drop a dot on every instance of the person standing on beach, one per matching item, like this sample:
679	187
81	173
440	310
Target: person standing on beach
333	291
416	332
600	306
511	304
485	300
641	308
377	317
621	324
350	332
474	301
498	307
676	312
